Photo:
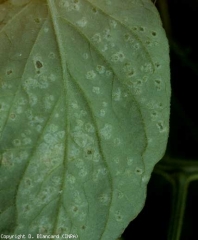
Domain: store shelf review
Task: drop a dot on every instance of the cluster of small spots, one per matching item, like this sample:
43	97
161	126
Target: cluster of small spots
33	120
85	56
46	29
141	29
43	82
5	86
154	115
48	102
118	172
82	139
104	198
9	72
129	70
145	179
116	160
105	48
107	35
138	171
157	65
118	216
154	34
138	83
130	161
56	181
26	140
117	95
90	74
113	23
145	78
148	42
79	125
96	90
17	142
32	99
89	127
53	128
161	127
29	83
79	210
102	112
88	153
7	159
120	195
49	155
38	64
70	5
28	182
62	229
75	209
83	227
96	157
26	209
19	109
106	131
117	142
83	172
118	57
109	73
135	28
94	10
44	229
151	105
102	170
74	105
21	101
52	138
79	163
77	197
136	46
104	104
37	20
38	128
73	153
99	173
100	69
147	68
158	84
61	134
127	67
96	38
128	38
81	218
151	43
71	179
82	22
137	86
12	116
52	55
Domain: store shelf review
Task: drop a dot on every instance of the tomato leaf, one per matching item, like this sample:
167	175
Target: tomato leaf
84	111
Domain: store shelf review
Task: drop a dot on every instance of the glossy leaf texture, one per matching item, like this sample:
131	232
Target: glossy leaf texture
84	112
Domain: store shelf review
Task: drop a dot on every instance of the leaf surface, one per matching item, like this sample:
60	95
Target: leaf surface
84	110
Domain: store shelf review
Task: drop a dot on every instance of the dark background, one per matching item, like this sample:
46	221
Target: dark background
180	20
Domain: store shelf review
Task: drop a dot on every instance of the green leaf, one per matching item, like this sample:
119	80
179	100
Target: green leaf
84	111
